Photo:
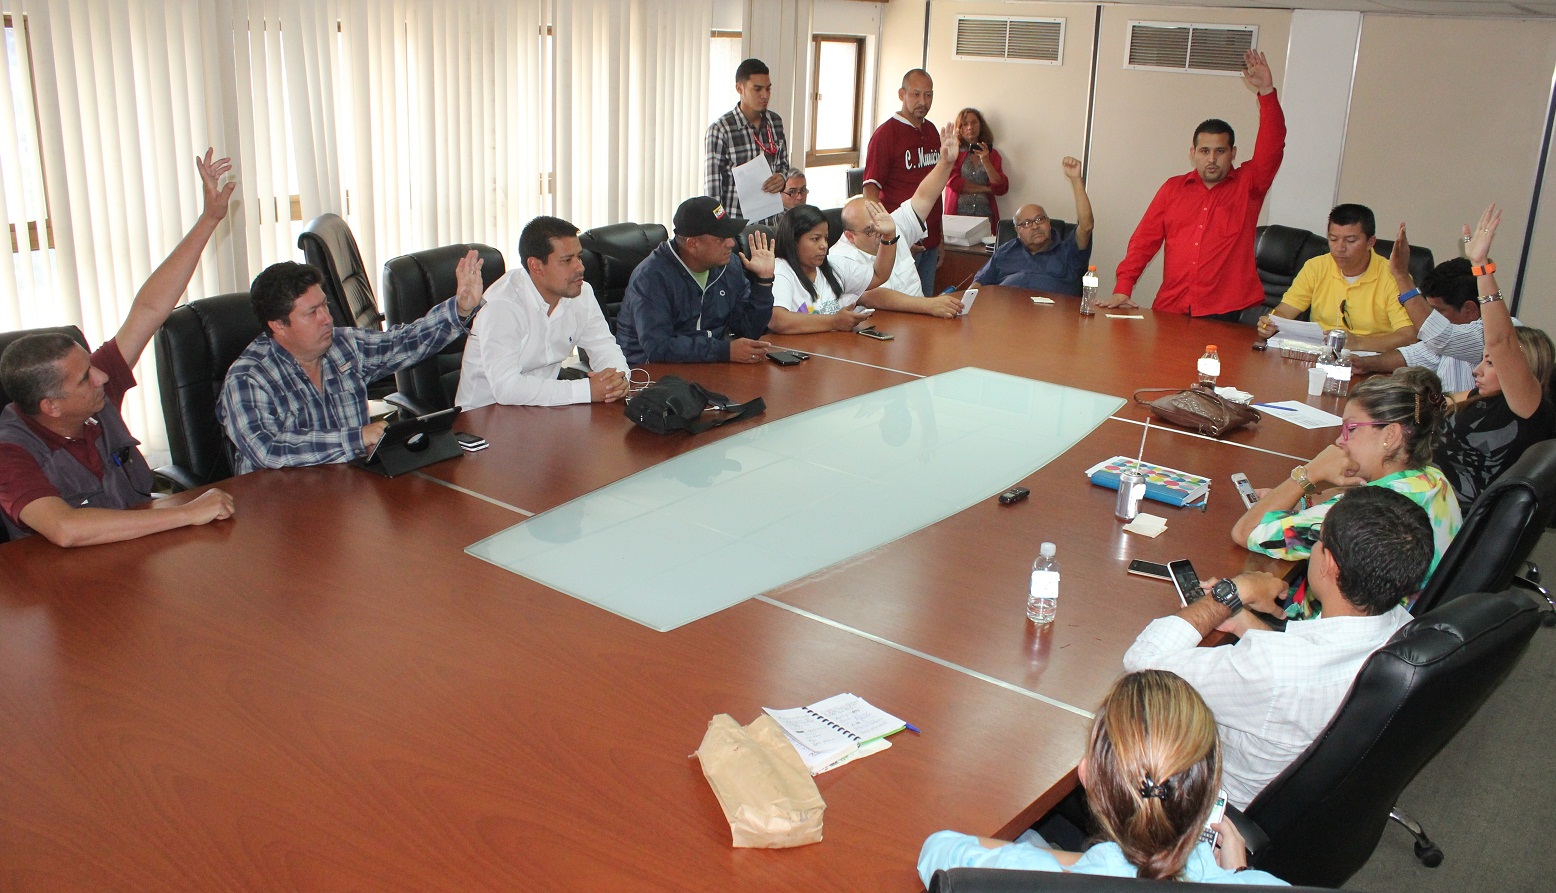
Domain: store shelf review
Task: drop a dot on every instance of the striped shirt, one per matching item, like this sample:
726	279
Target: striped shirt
1453	350
276	417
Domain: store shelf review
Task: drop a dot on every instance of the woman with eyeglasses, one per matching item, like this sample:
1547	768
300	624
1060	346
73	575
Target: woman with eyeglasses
1391	426
1151	772
1509	409
979	173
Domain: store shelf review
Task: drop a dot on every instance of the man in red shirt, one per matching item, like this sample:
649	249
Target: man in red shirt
1207	217
68	464
901	153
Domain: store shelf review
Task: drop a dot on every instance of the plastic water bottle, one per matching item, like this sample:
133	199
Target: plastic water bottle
1088	291
1335	363
1209	366
1043	601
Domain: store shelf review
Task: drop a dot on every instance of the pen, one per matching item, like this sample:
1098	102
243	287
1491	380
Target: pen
1273	406
912	728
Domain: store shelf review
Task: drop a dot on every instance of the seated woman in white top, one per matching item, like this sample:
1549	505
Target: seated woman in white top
809	294
1151	773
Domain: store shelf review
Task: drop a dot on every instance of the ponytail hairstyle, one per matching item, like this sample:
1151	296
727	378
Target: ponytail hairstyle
1154	770
1412	398
1538	353
796	222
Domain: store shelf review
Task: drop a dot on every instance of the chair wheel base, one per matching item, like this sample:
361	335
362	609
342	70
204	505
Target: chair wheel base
1430	856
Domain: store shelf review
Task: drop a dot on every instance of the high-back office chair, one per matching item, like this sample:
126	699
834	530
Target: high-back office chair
611	253
415	283
1319	821
1003	880
834	225
195	347
1278	254
328	244
1499	532
6	338
854	178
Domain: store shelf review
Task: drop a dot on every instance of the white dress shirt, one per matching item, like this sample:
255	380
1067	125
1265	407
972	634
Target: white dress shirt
904	275
1272	692
1451	350
517	347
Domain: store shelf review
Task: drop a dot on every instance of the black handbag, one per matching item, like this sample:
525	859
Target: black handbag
674	404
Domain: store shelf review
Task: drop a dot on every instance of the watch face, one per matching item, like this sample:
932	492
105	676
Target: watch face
1224	591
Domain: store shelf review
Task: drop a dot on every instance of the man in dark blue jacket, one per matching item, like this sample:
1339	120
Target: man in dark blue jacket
690	301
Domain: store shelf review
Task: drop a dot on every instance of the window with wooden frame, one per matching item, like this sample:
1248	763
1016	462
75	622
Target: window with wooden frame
27	214
837	100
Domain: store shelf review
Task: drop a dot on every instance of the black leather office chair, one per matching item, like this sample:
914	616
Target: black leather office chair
7	338
854	178
1420	258
1279	253
327	243
1501	529
413	284
1319	821
611	253
834	225
743	241
1003	880
195	347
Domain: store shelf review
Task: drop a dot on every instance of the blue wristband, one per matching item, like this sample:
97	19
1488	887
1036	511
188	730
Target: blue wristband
1414	292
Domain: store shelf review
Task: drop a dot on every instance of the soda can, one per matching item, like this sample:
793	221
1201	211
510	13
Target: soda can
1131	489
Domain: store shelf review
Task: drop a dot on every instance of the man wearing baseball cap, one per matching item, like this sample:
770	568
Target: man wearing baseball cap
690	301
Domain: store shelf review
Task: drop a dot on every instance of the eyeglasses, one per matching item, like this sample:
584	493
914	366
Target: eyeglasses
1023	224
1348	427
796	193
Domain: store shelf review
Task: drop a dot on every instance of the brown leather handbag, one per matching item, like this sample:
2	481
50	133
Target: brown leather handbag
1199	408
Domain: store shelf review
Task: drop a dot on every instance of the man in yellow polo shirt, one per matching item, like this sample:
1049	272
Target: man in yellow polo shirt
1349	288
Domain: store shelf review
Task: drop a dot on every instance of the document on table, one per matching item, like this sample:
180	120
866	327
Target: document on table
1296	331
1300	414
754	203
841	728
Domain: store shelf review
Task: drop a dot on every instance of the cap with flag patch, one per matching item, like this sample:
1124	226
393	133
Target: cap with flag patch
705	216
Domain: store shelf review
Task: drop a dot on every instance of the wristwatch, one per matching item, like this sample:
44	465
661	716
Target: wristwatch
1225	592
1299	474
892	241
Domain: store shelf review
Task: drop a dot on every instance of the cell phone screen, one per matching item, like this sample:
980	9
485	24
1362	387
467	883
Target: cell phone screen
1187	582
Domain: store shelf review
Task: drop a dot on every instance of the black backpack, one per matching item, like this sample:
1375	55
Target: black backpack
674	404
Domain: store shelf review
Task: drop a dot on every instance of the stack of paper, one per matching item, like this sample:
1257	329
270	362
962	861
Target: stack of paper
835	731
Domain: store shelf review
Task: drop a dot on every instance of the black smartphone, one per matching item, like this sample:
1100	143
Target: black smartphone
470	443
1186	581
1149	569
785	357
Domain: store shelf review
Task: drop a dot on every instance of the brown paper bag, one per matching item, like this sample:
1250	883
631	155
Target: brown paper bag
767	796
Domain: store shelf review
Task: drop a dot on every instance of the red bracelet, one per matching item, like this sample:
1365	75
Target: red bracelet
1486	270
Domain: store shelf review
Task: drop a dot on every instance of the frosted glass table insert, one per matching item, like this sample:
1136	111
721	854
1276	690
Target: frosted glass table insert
777	502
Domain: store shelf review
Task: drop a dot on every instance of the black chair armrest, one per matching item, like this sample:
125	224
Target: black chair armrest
1254	838
177	478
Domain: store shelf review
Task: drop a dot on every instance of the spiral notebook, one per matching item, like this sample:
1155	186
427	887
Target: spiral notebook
835	731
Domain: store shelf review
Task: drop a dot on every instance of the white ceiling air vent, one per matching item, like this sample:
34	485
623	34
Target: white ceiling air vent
1015	40
1180	46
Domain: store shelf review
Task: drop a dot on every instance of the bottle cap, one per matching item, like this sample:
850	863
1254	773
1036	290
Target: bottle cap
1092	269
1047	550
1209	347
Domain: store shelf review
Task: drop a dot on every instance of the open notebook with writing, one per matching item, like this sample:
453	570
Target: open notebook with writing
837	730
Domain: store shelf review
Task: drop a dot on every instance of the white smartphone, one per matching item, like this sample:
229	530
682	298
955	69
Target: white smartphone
1186	581
1244	489
1149	569
967	301
1207	835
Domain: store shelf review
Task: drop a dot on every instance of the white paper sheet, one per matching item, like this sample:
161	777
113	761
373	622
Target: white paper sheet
754	203
1299	332
1300	414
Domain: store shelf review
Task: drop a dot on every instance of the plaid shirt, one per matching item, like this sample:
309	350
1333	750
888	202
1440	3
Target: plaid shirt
277	418
731	142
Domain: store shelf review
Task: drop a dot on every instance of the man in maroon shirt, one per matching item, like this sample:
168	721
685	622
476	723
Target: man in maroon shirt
901	153
68	465
1207	217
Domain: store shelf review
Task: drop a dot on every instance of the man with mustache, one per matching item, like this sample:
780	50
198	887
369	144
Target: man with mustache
533	319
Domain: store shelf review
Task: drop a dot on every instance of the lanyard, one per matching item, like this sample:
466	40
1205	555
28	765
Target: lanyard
771	146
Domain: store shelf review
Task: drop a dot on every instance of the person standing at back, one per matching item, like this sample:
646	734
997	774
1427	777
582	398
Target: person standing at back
1206	218
901	153
741	134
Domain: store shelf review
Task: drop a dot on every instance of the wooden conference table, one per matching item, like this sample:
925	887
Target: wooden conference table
326	693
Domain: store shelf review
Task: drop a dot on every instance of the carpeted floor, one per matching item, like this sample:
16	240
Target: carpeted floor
1489	799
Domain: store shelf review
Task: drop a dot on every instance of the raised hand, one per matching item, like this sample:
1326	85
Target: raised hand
950	143
760	260
884	225
217	197
1256	72
1478	246
1072	167
1399	262
468	286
